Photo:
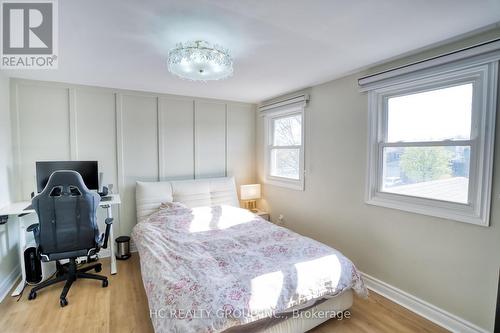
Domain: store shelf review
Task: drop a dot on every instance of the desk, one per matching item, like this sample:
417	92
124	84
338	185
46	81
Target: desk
19	208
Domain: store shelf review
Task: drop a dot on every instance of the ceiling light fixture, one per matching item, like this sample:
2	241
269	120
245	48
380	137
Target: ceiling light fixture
200	61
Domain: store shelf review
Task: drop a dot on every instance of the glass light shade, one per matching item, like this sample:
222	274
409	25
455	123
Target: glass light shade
250	192
200	61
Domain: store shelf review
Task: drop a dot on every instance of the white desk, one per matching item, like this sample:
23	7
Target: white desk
19	208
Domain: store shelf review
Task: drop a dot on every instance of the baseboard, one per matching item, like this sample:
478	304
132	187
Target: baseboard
9	282
106	253
133	248
421	307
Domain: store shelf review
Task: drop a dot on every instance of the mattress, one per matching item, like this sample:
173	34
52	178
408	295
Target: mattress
216	268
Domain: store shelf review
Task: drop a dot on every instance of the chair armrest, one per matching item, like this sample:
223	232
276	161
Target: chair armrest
109	222
32	227
35	228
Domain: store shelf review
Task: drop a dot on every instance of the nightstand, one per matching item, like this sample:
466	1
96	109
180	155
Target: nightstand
264	215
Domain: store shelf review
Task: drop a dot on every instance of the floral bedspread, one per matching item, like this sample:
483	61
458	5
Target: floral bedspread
208	269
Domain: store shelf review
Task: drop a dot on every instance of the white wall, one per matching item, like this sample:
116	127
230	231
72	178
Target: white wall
8	233
449	264
133	135
5	141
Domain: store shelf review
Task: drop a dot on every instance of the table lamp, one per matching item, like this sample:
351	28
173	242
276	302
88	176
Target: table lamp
249	194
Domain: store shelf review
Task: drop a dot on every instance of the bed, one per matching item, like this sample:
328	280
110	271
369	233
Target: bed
209	266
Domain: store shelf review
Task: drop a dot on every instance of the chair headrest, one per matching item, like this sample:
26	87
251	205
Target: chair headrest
67	181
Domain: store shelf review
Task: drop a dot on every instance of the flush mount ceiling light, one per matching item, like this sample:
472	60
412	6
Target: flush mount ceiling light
200	61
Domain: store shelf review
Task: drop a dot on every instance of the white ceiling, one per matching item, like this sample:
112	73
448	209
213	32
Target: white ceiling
278	46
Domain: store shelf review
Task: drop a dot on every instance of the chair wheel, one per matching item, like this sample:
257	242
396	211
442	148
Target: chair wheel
98	269
104	283
32	295
63	302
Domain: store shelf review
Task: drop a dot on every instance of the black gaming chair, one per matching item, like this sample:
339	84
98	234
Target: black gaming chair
67	229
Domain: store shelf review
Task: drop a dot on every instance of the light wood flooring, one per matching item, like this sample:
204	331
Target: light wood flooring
122	307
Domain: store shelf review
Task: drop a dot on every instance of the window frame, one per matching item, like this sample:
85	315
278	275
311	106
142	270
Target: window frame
269	118
484	80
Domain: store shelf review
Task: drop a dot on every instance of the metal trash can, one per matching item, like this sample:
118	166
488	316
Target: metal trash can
123	248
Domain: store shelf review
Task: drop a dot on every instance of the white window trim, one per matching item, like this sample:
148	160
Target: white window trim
269	116
484	76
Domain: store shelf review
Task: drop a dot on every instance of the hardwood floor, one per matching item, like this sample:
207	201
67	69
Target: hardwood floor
122	307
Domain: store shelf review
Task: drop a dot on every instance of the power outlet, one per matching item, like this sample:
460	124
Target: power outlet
281	219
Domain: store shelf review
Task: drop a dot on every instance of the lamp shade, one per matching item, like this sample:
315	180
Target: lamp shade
250	192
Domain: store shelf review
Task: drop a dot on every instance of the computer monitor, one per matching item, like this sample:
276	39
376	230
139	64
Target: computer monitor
87	169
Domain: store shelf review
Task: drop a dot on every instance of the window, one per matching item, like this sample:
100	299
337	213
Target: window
427	150
285	147
431	144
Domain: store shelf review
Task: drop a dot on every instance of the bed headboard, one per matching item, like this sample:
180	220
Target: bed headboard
193	193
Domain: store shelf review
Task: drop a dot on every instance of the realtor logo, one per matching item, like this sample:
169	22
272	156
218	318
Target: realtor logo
29	34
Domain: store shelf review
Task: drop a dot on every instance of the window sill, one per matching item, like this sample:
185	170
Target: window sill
297	185
466	214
